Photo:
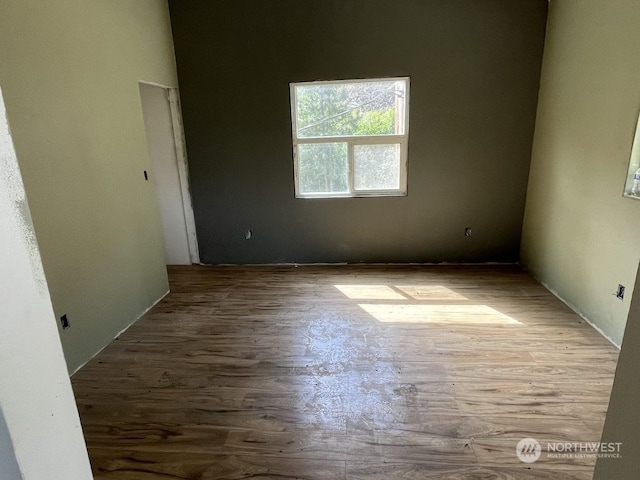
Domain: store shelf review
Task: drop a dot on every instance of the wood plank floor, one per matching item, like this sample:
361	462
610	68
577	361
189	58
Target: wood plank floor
346	372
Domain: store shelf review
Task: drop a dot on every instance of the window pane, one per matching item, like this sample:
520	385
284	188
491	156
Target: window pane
323	168
350	109
377	167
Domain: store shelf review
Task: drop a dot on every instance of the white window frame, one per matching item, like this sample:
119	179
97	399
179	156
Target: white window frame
351	142
634	164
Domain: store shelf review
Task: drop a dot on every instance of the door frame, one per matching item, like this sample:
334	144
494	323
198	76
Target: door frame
173	97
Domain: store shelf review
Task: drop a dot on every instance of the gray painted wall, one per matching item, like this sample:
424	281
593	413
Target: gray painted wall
474	68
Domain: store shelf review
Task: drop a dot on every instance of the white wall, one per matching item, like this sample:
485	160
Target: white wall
37	408
9	469
580	235
623	418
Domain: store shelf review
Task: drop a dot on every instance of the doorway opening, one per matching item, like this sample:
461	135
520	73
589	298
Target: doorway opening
169	171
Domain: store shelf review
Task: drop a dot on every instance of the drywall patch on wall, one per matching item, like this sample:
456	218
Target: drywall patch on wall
17	201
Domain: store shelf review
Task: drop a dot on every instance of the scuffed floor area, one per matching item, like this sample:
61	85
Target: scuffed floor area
346	372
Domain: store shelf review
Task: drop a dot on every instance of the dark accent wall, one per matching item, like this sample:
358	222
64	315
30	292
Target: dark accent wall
475	71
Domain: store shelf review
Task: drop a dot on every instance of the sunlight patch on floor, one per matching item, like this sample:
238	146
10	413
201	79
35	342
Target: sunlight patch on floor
399	292
442	314
430	292
370	292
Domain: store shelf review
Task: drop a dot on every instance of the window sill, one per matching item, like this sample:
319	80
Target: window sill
352	195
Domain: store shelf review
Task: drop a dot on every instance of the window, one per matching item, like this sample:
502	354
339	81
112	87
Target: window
632	185
350	137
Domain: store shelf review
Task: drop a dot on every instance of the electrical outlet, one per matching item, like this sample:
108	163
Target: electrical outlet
620	292
65	322
467	232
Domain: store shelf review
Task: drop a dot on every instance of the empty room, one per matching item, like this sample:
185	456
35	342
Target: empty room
348	239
